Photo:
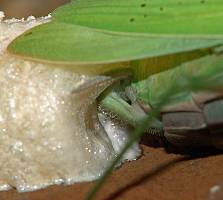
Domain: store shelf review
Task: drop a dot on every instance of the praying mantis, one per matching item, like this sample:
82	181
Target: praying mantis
189	119
172	49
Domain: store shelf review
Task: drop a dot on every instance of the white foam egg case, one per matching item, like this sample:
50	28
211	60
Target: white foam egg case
50	128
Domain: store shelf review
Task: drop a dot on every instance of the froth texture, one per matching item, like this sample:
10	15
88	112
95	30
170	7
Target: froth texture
49	127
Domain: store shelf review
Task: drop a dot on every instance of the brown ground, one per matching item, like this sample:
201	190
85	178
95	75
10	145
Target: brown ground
25	8
155	176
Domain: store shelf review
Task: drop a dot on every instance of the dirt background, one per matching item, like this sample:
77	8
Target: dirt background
157	175
25	8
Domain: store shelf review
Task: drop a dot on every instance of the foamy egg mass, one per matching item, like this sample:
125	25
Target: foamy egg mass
50	132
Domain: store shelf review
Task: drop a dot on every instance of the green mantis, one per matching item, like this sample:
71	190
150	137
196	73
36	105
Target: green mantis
143	37
189	118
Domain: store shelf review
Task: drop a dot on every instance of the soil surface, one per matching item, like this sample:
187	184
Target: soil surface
157	175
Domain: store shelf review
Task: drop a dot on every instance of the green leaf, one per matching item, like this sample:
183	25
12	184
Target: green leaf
80	47
171	17
91	36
